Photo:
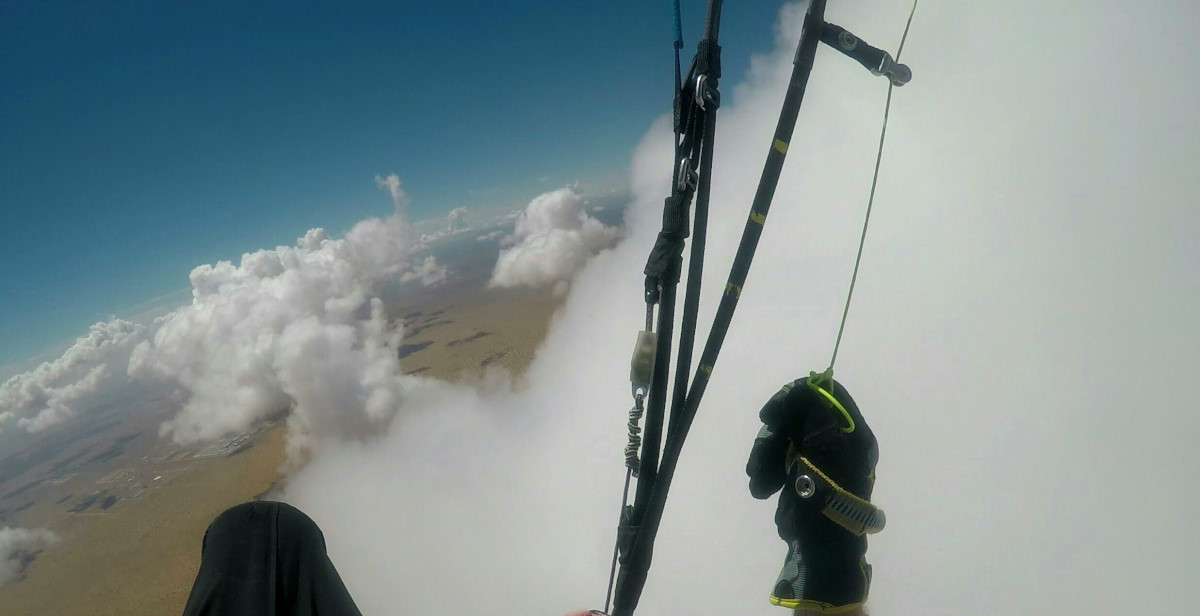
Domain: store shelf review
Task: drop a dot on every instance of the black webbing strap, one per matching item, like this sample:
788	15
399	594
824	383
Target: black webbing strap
708	58
662	277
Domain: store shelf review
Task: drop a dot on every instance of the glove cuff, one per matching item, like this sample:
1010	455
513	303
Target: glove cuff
816	583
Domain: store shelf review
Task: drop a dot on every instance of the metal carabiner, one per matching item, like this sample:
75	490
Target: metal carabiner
706	94
687	176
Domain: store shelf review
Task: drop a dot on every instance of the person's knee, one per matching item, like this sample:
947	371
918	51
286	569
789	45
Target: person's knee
291	524
249	514
234	521
296	528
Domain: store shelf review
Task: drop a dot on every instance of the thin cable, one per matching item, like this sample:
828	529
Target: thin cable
612	571
900	49
632	463
871	199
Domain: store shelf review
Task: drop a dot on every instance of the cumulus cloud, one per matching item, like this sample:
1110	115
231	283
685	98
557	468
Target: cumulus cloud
429	273
299	329
487	237
45	396
1034	447
432	238
18	546
458	220
553	239
58	406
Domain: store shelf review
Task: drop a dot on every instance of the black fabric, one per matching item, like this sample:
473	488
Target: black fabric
846	42
663	265
626	534
267	559
801	421
708	58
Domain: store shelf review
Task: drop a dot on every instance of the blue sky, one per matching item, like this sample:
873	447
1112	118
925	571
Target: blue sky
140	139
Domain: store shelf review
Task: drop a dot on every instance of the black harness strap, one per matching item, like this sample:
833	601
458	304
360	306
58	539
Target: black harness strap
696	106
636	560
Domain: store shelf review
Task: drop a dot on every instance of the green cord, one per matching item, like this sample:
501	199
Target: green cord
815	380
814	383
871	199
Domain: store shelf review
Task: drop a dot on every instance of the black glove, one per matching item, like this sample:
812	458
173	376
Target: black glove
824	458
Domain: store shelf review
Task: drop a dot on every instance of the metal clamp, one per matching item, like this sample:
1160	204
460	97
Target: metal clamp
898	73
687	176
706	94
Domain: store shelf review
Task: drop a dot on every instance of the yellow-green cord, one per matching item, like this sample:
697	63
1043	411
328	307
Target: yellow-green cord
871	200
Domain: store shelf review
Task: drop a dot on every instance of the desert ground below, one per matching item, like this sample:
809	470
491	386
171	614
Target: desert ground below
130	520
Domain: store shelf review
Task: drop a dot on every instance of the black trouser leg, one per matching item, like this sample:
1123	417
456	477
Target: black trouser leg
264	559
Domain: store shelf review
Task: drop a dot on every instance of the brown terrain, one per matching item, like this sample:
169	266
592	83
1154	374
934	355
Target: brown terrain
131	509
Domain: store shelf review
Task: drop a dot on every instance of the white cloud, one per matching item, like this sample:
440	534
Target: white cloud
391	184
487	237
1022	342
17	546
433	238
44	396
58	406
429	273
553	239
458	220
295	328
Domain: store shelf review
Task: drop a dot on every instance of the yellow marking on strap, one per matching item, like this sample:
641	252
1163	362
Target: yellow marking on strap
729	286
758	218
706	369
815	606
781	146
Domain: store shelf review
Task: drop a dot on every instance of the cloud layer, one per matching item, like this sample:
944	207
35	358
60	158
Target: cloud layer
553	238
